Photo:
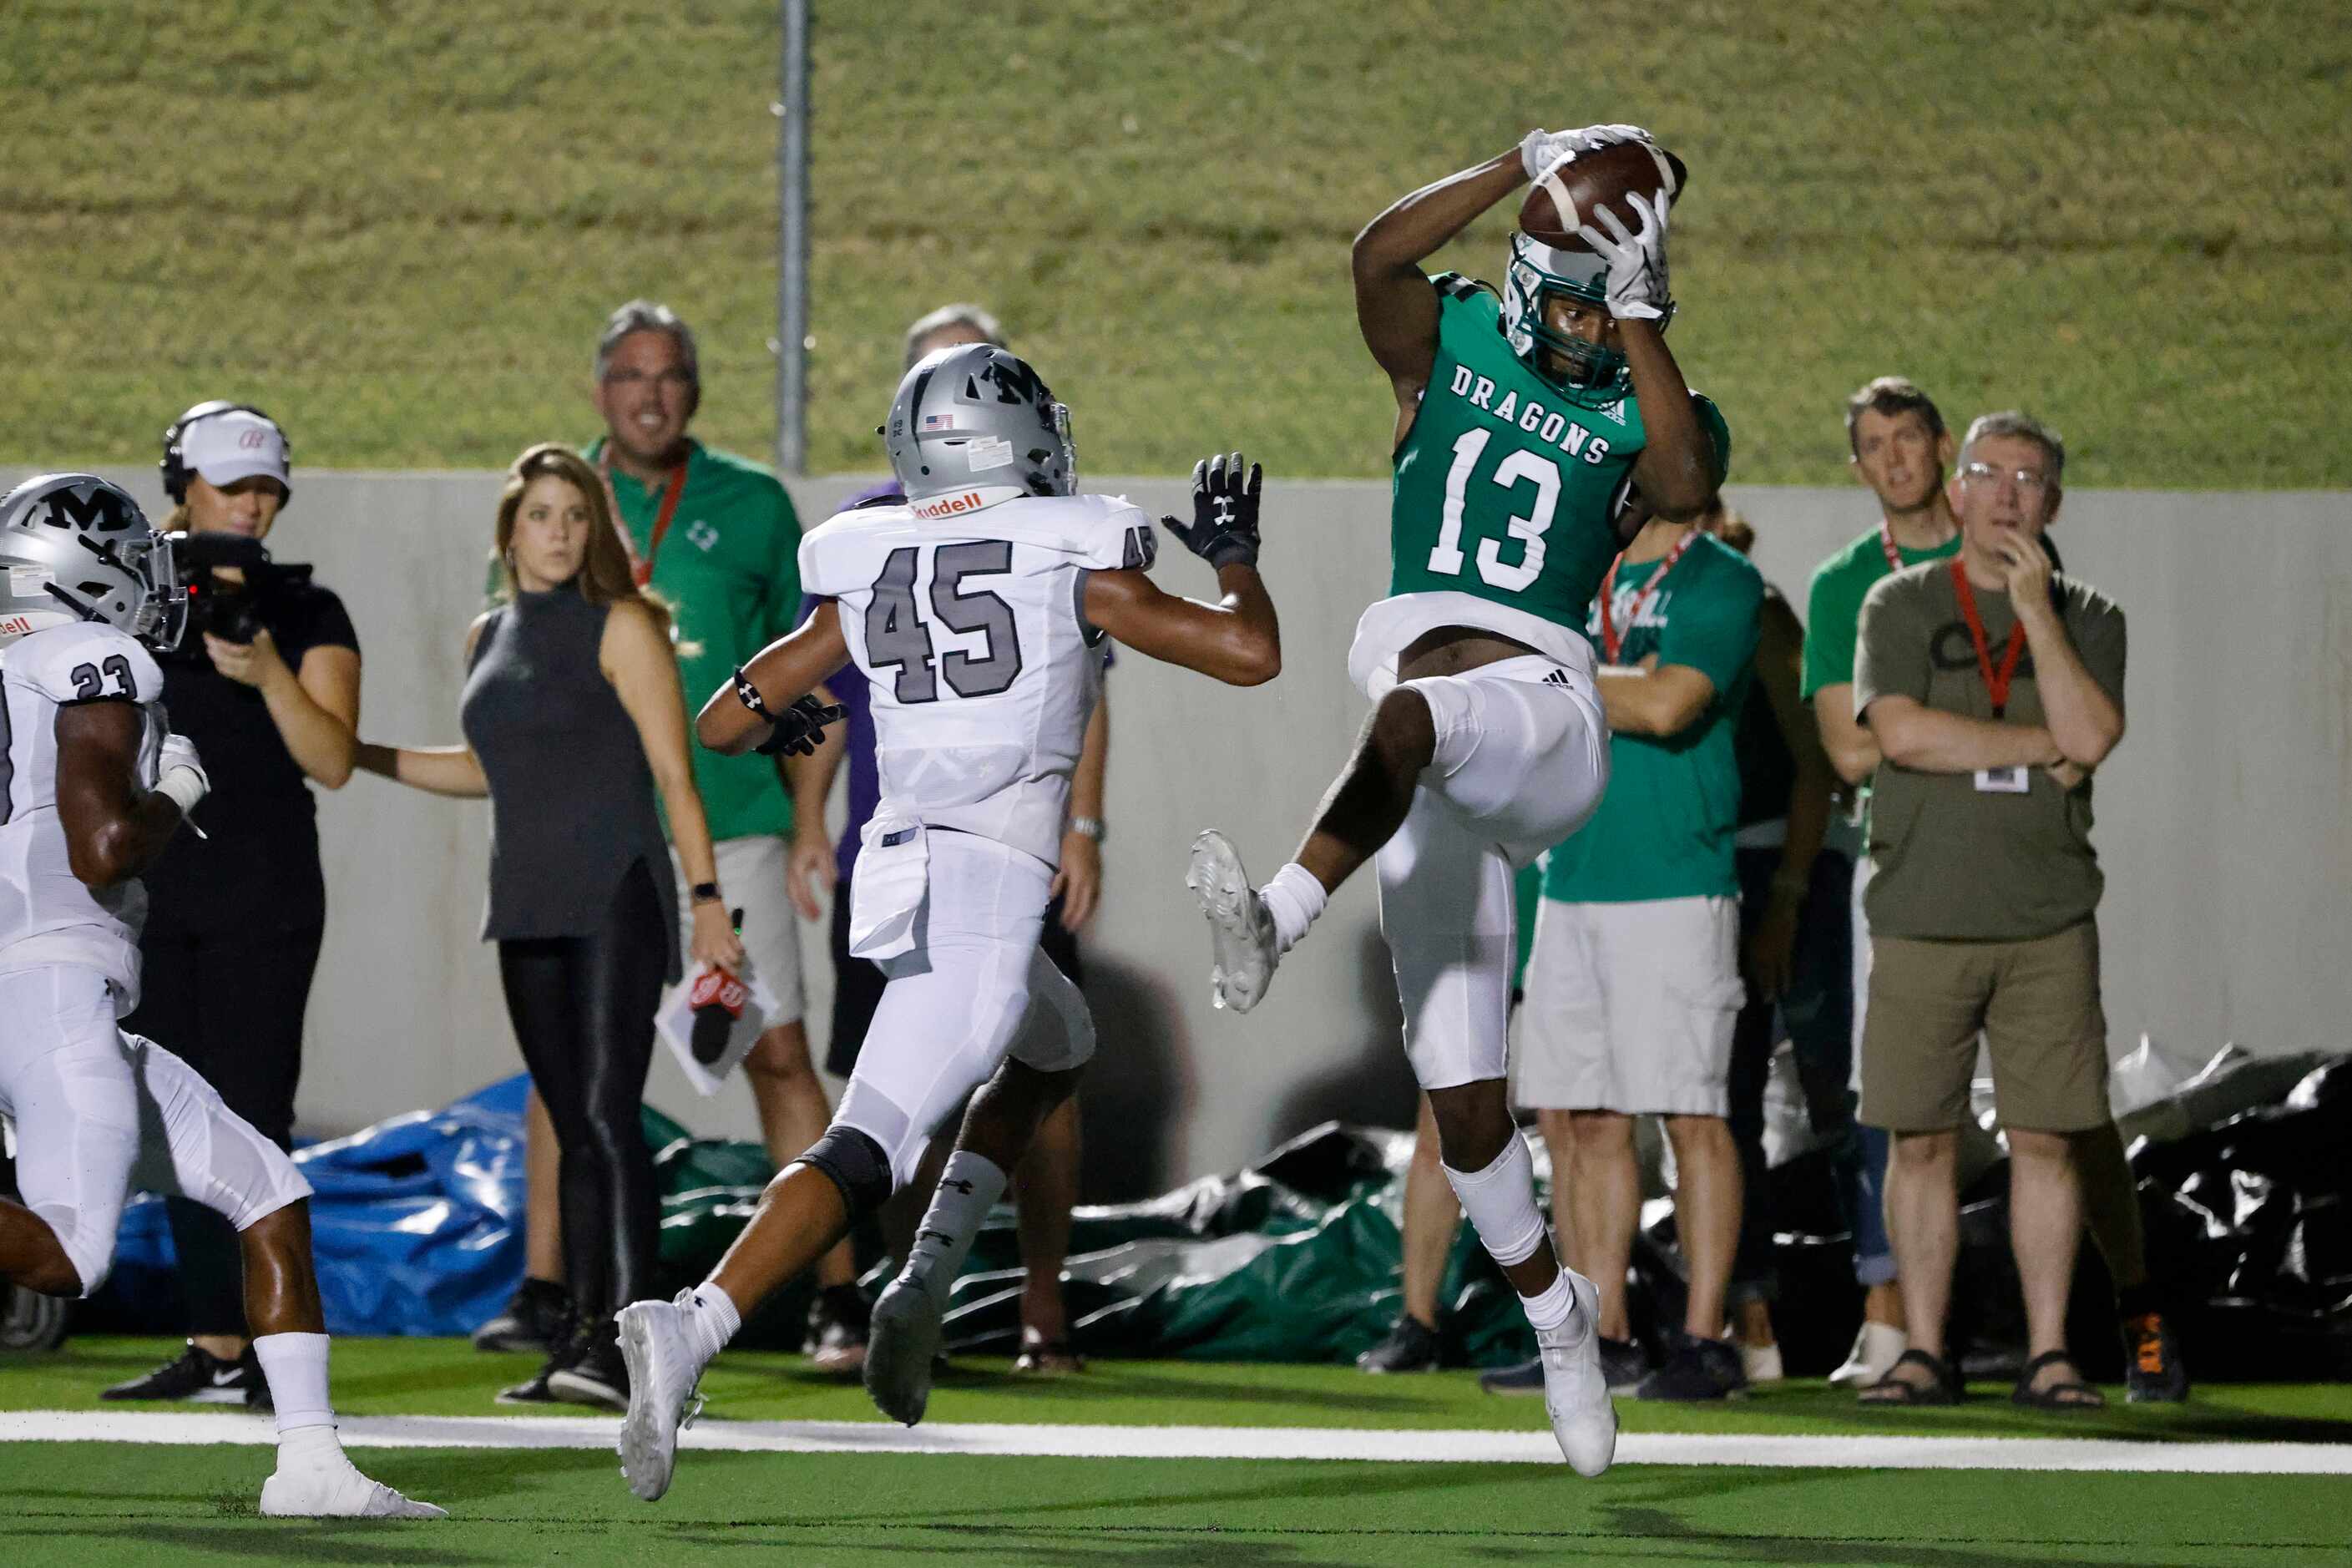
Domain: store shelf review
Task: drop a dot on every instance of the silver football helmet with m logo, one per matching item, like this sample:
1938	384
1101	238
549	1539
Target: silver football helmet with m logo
973	425
74	548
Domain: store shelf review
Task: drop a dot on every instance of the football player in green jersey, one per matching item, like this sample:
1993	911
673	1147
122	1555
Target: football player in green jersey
1520	421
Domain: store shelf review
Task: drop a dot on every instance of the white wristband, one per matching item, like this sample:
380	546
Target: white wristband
186	786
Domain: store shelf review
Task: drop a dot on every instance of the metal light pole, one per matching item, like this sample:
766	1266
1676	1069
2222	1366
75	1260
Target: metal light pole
791	244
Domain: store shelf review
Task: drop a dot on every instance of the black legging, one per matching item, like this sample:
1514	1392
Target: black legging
582	1008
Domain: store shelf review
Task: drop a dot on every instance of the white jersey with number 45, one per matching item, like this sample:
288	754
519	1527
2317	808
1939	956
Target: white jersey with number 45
968	624
47	914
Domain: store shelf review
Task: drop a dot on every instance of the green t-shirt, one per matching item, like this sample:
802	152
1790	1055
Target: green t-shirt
1503	488
1666	825
728	568
1833	605
1950	861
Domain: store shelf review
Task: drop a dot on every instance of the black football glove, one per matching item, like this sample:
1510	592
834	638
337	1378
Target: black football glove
797	729
800	729
1223	530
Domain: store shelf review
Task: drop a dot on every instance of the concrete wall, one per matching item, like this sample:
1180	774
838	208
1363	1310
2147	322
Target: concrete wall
2222	821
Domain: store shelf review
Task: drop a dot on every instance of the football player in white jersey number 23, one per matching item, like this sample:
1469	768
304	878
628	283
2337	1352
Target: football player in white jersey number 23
1523	421
93	786
975	610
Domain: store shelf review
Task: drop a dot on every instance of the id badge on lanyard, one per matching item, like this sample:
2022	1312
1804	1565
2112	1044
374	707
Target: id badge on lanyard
1992	780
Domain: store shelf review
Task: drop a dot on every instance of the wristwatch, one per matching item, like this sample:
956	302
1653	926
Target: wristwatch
1087	826
707	893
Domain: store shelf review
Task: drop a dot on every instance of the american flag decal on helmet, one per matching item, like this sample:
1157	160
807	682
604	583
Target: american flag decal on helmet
939	421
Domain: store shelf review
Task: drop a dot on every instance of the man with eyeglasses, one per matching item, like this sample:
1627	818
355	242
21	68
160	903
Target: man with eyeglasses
1993	689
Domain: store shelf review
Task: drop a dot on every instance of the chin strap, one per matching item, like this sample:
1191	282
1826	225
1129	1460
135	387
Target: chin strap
87	612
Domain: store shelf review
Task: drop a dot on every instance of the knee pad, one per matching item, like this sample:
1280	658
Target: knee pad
855	1164
1058	1030
87	1240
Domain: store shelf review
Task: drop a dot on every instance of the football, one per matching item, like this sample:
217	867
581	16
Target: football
1572	190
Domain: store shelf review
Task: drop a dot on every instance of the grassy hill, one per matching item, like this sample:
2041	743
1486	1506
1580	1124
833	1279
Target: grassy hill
397	225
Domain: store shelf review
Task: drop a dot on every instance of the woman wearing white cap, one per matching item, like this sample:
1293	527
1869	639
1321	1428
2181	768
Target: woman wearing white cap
267	687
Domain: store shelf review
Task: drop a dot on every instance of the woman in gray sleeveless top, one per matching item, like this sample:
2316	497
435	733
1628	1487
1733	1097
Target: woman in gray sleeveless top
572	715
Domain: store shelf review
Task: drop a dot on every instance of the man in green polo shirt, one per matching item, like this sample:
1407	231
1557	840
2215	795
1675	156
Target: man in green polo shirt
1899	447
1633	984
716	537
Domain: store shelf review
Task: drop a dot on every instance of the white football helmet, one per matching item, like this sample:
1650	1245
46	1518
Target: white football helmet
75	548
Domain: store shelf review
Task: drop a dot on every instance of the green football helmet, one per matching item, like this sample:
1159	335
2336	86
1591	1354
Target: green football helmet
1594	373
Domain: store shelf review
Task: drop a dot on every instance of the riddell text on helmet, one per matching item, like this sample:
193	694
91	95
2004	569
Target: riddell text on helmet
948	506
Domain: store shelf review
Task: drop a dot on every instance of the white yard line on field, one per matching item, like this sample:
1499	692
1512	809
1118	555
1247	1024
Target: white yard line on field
1211	1443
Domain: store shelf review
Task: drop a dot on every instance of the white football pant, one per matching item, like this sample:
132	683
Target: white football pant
975	987
1522	758
100	1113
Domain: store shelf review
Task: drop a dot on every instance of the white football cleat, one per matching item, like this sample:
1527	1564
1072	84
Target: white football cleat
662	1370
1241	930
331	1490
902	1347
1576	1393
1877	1348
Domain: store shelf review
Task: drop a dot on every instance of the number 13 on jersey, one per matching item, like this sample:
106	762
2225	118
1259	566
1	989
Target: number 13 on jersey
1518	467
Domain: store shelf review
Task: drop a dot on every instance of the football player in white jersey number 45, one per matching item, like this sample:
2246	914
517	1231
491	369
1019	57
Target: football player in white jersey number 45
975	610
92	786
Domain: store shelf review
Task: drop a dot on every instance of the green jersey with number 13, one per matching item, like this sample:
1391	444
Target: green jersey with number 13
1504	489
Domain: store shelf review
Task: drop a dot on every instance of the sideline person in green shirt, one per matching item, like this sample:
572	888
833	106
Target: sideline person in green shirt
715	538
1900	447
1634	985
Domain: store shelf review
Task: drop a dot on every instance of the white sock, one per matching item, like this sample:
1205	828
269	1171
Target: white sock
712	1319
1552	1308
1294	899
296	1368
969	1188
1501	1203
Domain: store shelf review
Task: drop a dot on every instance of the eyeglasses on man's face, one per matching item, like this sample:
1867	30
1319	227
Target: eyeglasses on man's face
2029	481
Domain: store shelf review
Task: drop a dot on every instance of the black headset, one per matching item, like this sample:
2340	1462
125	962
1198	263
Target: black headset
174	466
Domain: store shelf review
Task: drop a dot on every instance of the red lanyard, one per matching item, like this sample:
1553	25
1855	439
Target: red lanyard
1886	543
675	487
1995	683
1610	641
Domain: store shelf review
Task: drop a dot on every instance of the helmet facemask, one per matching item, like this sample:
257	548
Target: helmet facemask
1591	373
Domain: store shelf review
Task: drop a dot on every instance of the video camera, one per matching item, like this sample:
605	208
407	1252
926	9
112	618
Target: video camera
233	608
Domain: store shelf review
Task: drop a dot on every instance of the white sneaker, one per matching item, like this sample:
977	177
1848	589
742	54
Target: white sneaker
902	1345
663	1370
1761	1364
330	1491
1576	1395
1241	930
1877	1348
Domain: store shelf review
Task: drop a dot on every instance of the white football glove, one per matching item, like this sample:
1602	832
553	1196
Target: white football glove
1637	259
1539	150
180	773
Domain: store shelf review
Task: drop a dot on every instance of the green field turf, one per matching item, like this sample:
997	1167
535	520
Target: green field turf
82	1503
90	1503
398	226
443	1377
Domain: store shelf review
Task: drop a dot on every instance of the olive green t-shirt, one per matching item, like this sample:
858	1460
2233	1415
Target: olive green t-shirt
1948	860
1666	825
728	568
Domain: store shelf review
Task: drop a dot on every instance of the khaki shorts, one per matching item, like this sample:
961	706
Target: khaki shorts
1630	1008
752	878
2037	1003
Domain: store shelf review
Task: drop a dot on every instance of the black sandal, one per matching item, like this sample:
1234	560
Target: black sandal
2066	1395
1892	1390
